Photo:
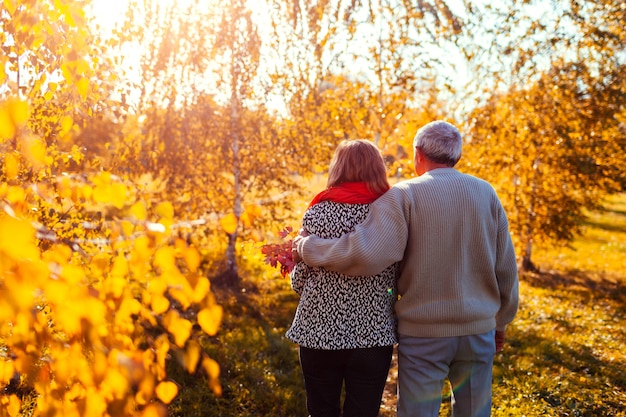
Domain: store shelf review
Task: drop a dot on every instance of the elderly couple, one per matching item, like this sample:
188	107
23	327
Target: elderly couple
428	264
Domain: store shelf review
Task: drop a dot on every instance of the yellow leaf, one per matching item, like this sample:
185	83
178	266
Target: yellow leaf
166	391
162	346
17	239
12	405
66	125
7	129
15	195
138	210
209	319
13	114
182	295
254	210
127	227
246	220
7	369
159	303
201	289
154	410
115	286
120	266
213	371
118	195
11	6
192	258
87	191
73	274
115	382
145	390
211	367
165	210
191	357
96	405
250	214
11	166
178	327
164	259
35	151
229	223
141	249
19	112
83	87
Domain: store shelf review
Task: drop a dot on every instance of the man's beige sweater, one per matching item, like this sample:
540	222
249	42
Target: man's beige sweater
458	274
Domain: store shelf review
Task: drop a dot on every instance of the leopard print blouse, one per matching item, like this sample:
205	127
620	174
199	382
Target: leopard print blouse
337	311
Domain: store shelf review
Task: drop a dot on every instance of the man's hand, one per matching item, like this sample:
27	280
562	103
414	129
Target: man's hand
500	336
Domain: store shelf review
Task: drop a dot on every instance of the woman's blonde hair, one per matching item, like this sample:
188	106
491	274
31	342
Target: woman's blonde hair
358	161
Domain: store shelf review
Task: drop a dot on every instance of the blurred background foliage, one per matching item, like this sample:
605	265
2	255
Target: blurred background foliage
148	149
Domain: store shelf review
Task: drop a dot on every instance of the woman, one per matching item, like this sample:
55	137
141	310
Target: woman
345	325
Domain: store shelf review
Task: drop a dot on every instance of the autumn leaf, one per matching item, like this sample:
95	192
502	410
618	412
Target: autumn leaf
7	370
139	211
229	223
209	319
166	391
17	239
13	115
154	410
11	166
191	356
212	369
178	327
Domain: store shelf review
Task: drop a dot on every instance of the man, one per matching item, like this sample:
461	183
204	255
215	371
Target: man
458	286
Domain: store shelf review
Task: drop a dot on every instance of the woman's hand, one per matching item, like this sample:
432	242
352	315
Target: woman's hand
302	233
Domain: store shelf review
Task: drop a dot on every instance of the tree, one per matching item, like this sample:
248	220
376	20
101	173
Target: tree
550	150
95	289
201	120
386	50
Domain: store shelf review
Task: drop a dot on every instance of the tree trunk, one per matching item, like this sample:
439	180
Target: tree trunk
527	264
231	251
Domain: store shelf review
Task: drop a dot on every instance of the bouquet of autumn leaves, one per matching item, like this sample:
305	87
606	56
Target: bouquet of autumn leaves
279	254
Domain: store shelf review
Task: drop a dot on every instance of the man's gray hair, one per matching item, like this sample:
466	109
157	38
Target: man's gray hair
440	142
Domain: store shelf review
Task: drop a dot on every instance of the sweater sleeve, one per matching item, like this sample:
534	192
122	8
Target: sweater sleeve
507	275
373	245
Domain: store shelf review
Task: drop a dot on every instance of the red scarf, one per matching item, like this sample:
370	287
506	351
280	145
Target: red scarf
347	192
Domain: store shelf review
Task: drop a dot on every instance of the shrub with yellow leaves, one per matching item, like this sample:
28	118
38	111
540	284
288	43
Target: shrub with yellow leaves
97	293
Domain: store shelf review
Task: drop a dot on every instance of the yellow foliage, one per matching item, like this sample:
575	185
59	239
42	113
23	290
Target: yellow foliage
165	210
178	327
7	369
17	239
13	115
159	303
11	166
192	258
79	287
191	356
34	151
11	404
138	210
154	410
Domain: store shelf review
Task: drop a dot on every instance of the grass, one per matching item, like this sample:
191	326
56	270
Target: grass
564	356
